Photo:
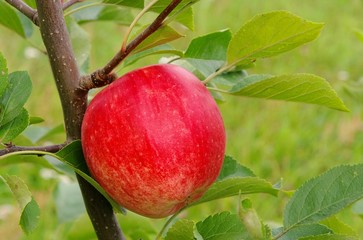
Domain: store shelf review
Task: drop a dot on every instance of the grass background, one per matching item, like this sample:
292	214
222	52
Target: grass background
275	139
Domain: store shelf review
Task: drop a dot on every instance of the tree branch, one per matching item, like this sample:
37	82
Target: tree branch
74	103
101	77
25	9
31	13
9	148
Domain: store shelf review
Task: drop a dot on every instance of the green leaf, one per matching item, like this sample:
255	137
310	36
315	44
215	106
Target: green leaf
12	129
212	46
161	36
186	18
230	79
182	13
208	53
231	168
235	179
30	217
329	237
324	196
15	96
29	208
299	87
234	186
338	227
184	63
80	42
127	3
113	13
3	75
15	20
72	155
35	120
222	226
19	189
182	229
68	208
303	231
247	81
204	67
270	34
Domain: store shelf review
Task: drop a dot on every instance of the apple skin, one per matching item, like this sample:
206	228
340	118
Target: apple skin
154	139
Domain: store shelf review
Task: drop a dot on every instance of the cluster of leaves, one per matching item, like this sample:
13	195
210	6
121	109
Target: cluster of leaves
308	215
15	89
219	59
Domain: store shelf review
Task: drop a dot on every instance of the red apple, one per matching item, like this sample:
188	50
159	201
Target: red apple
154	139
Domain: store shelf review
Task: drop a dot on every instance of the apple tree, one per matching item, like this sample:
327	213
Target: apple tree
152	141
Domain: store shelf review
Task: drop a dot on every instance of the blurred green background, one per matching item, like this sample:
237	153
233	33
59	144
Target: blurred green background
277	140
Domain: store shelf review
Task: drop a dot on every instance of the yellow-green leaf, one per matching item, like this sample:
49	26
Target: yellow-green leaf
270	34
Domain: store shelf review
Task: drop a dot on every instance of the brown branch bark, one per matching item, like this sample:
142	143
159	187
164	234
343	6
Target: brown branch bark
12	148
25	9
74	102
103	76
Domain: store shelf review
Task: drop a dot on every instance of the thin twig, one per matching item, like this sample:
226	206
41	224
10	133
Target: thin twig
9	148
25	9
132	25
70	3
31	13
167	223
100	76
218	72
